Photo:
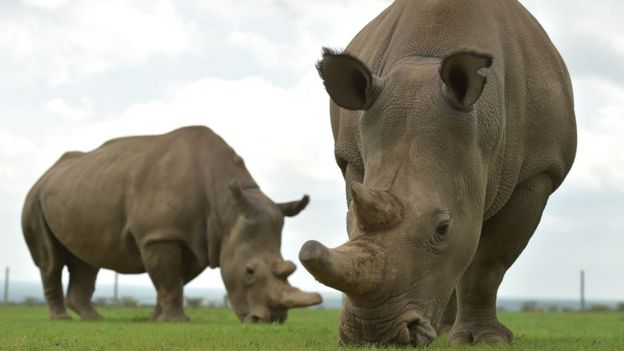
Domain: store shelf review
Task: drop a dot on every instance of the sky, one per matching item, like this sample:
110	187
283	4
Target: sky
74	74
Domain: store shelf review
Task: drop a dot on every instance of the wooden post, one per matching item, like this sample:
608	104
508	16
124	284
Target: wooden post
115	289
582	291
6	286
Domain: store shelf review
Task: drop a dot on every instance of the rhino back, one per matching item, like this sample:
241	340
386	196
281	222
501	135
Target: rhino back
526	117
109	202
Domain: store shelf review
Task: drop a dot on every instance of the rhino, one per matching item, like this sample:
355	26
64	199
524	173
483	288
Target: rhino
453	123
170	205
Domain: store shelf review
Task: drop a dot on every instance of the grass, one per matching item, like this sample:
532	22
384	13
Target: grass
28	328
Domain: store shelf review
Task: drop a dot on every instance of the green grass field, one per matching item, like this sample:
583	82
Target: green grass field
27	328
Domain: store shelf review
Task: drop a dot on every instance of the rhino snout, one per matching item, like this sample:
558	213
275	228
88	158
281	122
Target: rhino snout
421	333
265	315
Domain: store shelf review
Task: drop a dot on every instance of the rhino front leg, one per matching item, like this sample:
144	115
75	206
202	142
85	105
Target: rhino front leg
82	278
187	276
448	318
163	262
503	238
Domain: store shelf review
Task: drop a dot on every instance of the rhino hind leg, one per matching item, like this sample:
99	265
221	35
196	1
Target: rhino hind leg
503	238
49	256
163	262
82	278
51	277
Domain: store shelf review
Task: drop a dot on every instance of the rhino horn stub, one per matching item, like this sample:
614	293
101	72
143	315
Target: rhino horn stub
284	269
292	297
375	209
354	268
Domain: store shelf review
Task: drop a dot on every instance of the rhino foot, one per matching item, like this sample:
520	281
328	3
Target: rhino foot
169	316
85	310
480	333
90	316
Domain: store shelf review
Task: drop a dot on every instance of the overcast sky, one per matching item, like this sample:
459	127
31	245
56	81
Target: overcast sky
74	74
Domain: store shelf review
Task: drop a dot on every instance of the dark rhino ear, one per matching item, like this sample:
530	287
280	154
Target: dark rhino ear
348	81
463	81
290	209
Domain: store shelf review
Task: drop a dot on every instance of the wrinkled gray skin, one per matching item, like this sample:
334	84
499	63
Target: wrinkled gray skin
453	123
169	205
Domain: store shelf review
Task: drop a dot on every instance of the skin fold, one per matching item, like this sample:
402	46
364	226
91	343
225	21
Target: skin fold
453	123
170	205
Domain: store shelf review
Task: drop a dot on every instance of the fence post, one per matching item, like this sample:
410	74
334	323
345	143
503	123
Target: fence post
6	285
115	289
582	290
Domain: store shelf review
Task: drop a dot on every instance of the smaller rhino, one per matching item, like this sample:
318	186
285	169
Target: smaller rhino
169	205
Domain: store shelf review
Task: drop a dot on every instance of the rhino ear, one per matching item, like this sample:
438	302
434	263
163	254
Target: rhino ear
460	73
245	205
290	209
348	81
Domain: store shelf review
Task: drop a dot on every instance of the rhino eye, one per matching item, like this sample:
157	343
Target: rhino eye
249	270
443	228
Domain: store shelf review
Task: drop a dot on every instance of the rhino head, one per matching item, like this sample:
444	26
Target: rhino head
253	270
414	218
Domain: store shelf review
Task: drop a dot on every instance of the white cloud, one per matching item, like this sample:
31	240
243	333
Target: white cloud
599	163
16	154
80	113
91	37
288	34
46	4
273	54
600	18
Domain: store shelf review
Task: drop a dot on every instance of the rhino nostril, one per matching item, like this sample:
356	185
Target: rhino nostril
278	317
253	318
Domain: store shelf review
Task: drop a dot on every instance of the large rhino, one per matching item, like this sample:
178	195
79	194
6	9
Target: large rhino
453	123
171	205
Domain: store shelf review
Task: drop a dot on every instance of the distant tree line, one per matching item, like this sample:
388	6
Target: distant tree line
131	302
533	306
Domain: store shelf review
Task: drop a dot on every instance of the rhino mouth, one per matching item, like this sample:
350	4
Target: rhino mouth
412	329
275	317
